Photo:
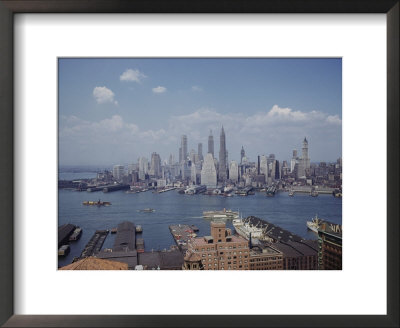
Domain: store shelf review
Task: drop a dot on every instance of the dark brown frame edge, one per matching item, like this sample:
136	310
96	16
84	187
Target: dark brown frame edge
7	10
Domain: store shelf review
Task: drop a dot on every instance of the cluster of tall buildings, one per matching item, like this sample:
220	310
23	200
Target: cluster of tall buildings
196	168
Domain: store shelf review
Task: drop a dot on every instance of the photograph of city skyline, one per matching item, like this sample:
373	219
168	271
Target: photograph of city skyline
199	164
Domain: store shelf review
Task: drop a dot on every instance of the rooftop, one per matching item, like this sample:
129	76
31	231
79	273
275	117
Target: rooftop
125	238
127	257
92	263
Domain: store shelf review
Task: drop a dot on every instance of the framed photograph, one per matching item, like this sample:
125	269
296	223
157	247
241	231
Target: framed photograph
220	157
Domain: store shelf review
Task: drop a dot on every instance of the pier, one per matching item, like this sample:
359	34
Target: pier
64	232
182	233
271	191
159	191
309	189
94	188
244	192
116	187
95	243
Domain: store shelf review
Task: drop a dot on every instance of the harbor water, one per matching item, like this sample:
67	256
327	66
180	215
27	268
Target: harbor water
290	213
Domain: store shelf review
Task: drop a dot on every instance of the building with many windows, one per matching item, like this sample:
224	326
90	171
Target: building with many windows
118	172
330	247
220	251
263	257
222	156
211	144
208	172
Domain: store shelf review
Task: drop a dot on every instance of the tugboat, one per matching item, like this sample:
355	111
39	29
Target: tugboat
147	210
98	203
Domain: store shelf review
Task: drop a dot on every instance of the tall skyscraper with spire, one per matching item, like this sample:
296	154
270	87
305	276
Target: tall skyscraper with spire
304	161
211	144
222	156
242	154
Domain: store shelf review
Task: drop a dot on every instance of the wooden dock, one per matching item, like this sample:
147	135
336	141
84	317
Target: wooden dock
182	233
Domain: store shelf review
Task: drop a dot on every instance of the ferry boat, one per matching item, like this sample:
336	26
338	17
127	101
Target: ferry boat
98	203
224	214
147	210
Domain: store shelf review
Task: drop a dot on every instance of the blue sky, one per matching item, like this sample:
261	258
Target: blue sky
111	111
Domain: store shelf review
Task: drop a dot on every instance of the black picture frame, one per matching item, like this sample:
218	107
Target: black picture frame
10	7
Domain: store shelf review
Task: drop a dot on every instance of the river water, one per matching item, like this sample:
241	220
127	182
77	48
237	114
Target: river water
290	213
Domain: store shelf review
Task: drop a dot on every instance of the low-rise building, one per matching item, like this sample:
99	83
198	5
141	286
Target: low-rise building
264	257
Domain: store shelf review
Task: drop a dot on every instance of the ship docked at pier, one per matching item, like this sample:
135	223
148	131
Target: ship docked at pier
262	230
224	214
317	222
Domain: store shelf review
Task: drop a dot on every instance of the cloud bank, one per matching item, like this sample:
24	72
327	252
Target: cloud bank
278	131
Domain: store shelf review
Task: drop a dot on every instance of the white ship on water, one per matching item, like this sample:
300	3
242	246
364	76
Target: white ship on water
224	214
314	224
244	228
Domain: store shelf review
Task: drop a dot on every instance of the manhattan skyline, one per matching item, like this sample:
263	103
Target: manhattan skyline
116	110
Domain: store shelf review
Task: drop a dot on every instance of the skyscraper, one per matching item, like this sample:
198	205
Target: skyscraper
184	147
211	144
118	172
200	151
222	156
293	160
208	172
155	168
304	161
305	157
143	167
242	154
234	171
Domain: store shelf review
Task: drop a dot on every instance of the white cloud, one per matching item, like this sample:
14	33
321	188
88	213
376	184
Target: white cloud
159	89
278	130
197	88
334	119
132	75
104	95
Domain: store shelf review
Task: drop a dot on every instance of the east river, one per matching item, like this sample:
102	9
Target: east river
290	213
